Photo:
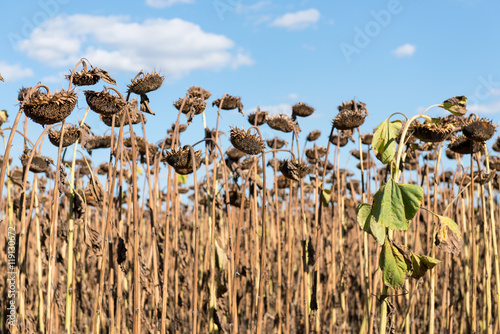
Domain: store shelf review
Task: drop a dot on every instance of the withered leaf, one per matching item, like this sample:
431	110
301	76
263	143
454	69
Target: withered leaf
448	236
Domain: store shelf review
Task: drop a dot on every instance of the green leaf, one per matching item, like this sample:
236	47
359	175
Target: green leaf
421	264
393	265
368	223
363	211
412	198
377	230
181	178
326	196
384	140
457	105
139	170
388	208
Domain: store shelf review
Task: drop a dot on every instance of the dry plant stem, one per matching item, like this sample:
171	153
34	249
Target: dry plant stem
494	243
69	289
194	304
366	260
487	305
107	225
433	273
213	298
135	209
474	249
263	250
7	149
167	227
53	232
23	232
41	326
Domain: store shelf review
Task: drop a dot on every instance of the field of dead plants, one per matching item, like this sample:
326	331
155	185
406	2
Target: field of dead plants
250	234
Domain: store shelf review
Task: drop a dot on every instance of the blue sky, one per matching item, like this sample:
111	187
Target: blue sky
396	55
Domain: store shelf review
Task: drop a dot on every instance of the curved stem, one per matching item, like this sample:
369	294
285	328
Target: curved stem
401	145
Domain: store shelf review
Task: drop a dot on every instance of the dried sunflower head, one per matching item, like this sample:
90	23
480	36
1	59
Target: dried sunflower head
135	115
71	135
283	182
367	138
366	165
145	83
294	170
434	132
301	109
96	142
195	91
496	145
313	135
230	103
141	144
479	130
39	164
89	77
258	117
316	153
104	102
103	169
276	143
47	108
494	163
246	142
234	154
357	154
450	154
283	123
351	115
464	145
338	141
236	197
193	106
181	160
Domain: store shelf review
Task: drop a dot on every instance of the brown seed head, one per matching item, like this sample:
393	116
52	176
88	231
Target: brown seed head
301	109
480	130
246	142
145	83
313	135
47	108
283	123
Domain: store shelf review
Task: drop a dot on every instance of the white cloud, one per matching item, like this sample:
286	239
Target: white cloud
488	108
165	3
297	21
13	72
405	50
283	108
115	43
